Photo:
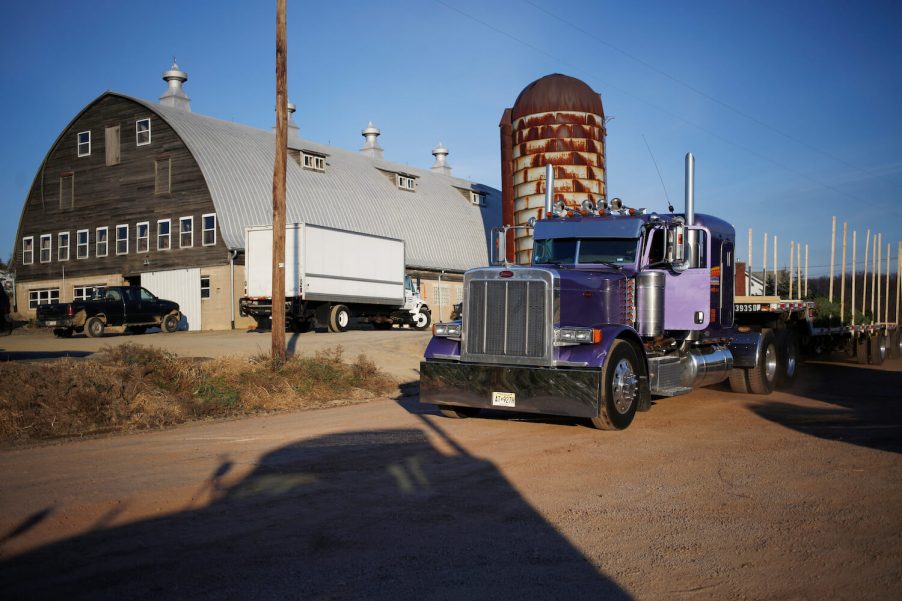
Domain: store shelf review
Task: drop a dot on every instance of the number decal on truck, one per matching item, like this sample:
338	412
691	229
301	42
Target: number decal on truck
746	308
503	399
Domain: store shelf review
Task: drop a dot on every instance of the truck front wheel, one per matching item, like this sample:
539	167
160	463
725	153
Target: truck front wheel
94	327
339	318
422	320
620	392
170	323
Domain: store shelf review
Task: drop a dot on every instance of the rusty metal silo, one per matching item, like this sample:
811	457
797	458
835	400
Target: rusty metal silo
558	120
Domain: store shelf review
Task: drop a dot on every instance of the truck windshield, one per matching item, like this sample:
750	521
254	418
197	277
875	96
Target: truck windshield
568	251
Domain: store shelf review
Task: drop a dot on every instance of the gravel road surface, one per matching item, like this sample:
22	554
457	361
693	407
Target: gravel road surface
708	496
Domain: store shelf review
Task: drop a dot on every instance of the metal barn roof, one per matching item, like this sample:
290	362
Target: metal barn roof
441	228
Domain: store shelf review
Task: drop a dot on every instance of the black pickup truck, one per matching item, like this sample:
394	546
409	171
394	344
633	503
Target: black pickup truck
131	308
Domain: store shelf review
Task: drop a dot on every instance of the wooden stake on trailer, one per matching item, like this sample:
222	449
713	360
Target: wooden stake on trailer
776	276
791	266
886	295
832	256
842	281
854	272
806	269
278	188
799	268
748	267
864	277
898	279
764	268
879	256
873	272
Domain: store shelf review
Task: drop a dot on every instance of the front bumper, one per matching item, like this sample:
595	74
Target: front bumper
572	392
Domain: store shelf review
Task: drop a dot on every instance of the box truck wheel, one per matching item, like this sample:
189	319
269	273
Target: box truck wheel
422	320
788	367
620	388
763	376
878	349
339	318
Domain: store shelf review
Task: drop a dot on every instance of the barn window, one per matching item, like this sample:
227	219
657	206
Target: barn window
209	233
316	163
28	250
86	292
43	296
162	173
122	239
142	132
143	236
102	239
205	286
62	246
186	232
164	234
477	198
112	145
406	182
67	190
84	143
46	248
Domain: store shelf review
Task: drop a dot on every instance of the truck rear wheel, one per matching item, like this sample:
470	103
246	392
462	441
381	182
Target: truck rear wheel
458	412
339	318
895	346
763	377
739	381
94	327
620	392
788	367
877	353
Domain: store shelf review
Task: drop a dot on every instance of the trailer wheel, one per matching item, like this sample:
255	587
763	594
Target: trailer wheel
739	380
763	376
788	367
877	353
169	324
94	327
620	392
895	344
339	318
458	412
861	346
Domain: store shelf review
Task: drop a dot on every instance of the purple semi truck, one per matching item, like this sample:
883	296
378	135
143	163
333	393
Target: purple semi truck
618	306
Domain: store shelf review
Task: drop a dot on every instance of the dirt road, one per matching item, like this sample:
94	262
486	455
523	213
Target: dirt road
707	496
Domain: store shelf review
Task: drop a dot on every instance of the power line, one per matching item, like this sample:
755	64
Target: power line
707	96
662	109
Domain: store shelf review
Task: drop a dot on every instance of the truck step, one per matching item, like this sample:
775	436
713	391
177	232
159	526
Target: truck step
671	391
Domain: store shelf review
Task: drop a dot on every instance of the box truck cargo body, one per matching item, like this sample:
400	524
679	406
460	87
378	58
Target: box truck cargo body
332	275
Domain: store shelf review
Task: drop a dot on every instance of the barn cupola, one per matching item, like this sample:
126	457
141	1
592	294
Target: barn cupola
441	164
174	95
294	132
371	147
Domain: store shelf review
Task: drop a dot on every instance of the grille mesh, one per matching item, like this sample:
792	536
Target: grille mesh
506	317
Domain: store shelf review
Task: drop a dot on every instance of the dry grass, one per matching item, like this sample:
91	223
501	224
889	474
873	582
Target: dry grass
131	387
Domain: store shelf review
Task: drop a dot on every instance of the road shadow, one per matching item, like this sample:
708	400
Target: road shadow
39	355
865	405
361	515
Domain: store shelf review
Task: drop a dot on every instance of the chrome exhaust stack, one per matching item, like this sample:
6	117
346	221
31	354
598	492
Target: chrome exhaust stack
549	189
690	189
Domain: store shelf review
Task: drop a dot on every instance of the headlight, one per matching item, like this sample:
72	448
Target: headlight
571	336
446	330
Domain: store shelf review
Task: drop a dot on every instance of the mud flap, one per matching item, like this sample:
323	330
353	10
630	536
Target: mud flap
644	394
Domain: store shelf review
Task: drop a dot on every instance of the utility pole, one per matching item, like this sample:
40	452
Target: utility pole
278	188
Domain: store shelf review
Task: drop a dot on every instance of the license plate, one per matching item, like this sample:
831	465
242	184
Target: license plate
503	399
52	322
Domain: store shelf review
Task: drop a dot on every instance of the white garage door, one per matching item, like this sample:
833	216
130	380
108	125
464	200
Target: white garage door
181	286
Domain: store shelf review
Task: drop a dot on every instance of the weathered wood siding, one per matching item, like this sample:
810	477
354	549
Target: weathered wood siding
115	195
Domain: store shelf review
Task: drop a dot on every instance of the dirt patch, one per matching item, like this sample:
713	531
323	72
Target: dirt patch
131	387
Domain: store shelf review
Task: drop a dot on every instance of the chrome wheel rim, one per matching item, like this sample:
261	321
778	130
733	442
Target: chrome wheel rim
770	362
623	389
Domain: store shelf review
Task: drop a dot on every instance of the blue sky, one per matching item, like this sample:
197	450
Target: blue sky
791	108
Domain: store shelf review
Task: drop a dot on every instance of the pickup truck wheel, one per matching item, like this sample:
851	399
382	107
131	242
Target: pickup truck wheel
788	368
458	412
63	332
422	320
763	377
620	392
94	327
878	349
339	318
739	381
169	324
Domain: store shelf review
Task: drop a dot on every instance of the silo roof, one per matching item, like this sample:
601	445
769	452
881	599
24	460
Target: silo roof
557	92
441	228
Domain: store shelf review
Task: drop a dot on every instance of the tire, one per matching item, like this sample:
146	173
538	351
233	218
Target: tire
458	412
620	388
339	318
763	377
63	332
895	344
788	355
169	324
422	320
878	346
739	381
94	327
861	346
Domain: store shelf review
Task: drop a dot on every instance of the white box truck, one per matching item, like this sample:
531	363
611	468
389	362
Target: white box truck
331	276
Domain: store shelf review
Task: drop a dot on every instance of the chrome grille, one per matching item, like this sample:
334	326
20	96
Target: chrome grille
507	318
